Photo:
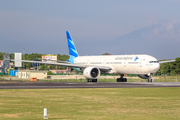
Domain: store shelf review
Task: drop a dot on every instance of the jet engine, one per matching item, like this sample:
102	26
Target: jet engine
143	76
91	73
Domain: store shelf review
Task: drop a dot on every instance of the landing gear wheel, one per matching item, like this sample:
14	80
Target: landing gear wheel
124	80
94	80
150	76
91	80
118	79
121	79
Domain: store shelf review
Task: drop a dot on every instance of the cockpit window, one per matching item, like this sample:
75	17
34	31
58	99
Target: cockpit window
153	62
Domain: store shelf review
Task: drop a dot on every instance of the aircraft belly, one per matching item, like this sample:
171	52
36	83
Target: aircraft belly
132	69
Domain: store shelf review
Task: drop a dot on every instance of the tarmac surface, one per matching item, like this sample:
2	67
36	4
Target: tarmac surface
56	85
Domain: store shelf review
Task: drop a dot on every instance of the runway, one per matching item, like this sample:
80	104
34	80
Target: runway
56	85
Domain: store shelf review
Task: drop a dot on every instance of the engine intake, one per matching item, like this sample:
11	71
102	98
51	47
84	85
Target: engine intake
91	73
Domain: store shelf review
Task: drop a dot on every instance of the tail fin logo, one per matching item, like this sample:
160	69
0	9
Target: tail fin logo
72	49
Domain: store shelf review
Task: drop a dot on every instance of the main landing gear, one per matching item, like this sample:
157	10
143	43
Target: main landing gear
91	80
121	79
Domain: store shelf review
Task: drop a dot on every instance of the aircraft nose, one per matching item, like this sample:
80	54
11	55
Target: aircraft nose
156	67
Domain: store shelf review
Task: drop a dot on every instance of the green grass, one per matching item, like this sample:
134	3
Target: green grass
168	79
90	104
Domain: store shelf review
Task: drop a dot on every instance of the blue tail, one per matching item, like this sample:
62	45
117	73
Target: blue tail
72	49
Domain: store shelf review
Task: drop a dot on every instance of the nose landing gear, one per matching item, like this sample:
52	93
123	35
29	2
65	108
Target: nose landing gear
150	77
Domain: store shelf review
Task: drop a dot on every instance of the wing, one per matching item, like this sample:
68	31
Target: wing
167	61
66	64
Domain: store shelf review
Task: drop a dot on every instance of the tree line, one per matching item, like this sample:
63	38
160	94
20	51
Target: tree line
171	68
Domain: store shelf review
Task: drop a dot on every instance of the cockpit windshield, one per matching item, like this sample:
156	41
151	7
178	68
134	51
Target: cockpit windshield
153	61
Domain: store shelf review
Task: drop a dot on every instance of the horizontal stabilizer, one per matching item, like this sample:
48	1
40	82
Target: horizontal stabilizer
58	61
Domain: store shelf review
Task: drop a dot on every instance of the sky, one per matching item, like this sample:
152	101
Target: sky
118	27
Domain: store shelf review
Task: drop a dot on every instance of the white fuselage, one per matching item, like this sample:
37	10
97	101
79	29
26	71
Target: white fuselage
122	64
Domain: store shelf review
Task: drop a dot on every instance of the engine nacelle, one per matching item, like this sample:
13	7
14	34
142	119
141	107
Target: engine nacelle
91	73
143	76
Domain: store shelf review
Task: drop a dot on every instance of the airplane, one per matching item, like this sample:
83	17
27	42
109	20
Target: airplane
93	66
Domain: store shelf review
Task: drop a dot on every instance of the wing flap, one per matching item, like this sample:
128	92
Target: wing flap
58	61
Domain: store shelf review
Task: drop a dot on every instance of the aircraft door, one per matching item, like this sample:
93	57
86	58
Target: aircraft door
104	63
124	63
141	70
88	62
140	64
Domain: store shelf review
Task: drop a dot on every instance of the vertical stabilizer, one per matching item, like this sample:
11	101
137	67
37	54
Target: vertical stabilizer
72	49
